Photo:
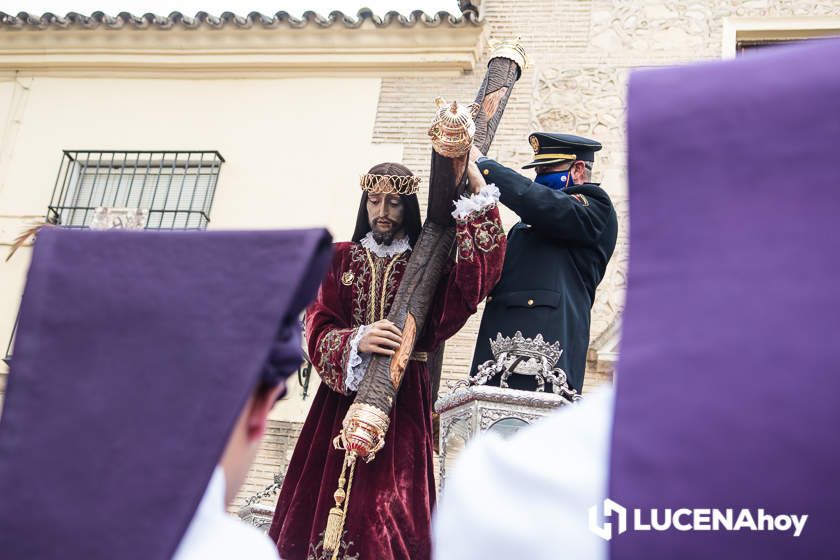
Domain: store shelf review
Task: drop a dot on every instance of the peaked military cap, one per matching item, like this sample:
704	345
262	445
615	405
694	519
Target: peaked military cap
550	148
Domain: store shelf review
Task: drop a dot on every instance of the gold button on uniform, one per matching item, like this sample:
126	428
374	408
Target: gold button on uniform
486	172
530	302
489	299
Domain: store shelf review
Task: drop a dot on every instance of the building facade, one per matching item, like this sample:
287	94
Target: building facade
298	108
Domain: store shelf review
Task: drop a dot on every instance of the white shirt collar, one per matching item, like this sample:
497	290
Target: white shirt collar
215	535
397	247
213	501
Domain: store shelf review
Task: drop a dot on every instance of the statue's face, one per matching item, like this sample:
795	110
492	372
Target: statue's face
385	215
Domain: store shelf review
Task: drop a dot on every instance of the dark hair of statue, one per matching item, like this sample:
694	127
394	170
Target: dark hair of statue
411	215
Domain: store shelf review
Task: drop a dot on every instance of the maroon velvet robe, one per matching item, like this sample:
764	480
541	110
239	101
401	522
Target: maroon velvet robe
392	497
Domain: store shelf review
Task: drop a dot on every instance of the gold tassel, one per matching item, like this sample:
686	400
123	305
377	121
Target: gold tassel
335	525
338	513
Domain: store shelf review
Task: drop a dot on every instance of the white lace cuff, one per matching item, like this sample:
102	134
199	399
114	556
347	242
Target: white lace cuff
466	205
357	361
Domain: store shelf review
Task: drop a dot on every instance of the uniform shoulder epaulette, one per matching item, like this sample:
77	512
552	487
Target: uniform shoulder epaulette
580	198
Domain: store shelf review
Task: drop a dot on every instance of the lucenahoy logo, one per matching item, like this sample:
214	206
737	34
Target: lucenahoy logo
685	519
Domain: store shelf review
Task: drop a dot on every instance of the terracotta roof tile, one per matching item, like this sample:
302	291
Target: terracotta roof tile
24	20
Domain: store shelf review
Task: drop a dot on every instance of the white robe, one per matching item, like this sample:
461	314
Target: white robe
214	534
529	496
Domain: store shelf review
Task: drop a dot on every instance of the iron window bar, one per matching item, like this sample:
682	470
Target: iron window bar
175	188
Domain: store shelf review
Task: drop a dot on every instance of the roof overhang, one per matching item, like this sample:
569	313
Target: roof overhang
241	52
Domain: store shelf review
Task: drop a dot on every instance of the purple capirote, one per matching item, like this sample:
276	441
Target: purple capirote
728	385
135	354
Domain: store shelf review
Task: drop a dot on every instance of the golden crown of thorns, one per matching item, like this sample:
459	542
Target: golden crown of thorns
390	184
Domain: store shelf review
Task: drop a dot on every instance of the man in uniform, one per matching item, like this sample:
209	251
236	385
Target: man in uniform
556	255
710	293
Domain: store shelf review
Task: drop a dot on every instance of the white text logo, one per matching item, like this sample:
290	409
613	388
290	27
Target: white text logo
685	519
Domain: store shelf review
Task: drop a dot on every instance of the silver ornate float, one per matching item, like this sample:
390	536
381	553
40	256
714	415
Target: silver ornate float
472	407
525	356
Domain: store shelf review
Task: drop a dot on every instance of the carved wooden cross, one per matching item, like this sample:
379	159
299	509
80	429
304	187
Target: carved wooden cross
447	181
366	422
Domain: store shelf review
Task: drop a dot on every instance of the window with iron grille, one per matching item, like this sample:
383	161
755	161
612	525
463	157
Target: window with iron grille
170	189
174	190
751	45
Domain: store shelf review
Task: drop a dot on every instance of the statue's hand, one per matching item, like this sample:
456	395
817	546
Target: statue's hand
383	338
475	181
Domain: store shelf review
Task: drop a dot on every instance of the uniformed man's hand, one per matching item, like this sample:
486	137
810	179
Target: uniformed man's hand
475	153
383	338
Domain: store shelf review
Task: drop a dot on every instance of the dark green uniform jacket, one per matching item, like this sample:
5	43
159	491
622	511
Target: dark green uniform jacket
556	256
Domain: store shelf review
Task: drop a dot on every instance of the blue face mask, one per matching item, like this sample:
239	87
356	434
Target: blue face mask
557	180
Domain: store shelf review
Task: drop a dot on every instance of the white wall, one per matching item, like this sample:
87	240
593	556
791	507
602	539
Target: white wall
294	148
